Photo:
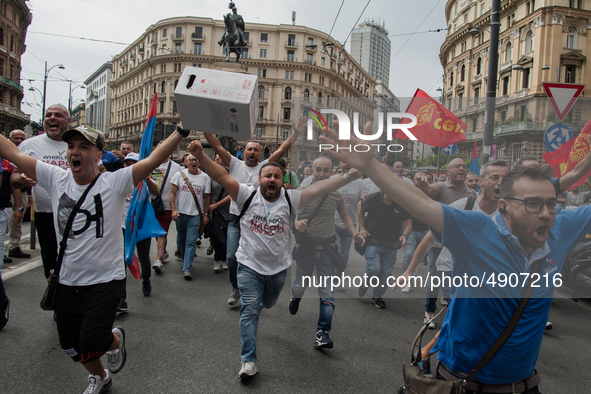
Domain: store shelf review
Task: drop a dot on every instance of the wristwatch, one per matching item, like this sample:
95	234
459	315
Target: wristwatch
184	133
22	209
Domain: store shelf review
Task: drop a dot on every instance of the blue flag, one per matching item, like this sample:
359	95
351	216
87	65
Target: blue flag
141	219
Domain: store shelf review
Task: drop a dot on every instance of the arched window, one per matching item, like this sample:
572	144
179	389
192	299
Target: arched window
288	93
451	79
463	73
572	38
261	92
319	98
479	66
508	53
163	87
306	95
529	42
154	88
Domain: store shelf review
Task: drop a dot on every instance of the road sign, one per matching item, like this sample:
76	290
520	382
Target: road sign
562	96
450	149
556	135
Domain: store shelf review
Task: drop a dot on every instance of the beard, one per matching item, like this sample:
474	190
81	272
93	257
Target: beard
270	191
530	235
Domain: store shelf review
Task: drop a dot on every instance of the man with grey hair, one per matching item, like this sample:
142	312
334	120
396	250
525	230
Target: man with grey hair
21	202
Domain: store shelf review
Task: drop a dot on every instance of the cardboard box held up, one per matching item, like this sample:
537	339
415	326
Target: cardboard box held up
217	102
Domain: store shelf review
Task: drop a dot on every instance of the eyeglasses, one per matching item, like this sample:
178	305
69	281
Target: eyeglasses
459	166
536	206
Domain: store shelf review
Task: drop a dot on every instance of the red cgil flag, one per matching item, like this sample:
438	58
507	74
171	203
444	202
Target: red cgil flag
568	155
436	126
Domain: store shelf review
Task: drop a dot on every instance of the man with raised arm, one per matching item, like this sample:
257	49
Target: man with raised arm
266	215
92	270
526	233
245	172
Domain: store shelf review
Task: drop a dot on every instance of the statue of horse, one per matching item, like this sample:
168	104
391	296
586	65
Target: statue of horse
231	38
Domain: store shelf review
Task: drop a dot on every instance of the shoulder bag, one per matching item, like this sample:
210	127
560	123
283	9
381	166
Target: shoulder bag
157	202
48	301
196	202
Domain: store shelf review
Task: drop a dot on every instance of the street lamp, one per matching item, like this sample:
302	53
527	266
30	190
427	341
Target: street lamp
61	67
70	103
547	67
491	83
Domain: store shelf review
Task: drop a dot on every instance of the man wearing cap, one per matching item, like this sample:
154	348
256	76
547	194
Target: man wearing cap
92	270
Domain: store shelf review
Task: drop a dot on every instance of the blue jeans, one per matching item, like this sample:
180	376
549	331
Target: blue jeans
324	268
343	242
188	232
256	290
232	242
414	239
380	261
3	224
431	301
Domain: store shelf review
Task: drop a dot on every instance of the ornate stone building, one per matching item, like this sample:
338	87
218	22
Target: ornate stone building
15	18
539	41
294	64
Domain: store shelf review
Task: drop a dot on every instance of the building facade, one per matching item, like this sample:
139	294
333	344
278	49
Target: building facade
78	115
296	66
538	42
15	18
371	47
98	98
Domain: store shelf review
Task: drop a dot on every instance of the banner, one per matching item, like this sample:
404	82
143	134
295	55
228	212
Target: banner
568	155
141	220
436	126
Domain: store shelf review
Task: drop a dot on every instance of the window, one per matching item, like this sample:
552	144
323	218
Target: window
322	61
263	53
308	77
479	66
474	124
509	53
286	113
246	36
529	42
162	68
525	76
570	74
505	86
154	88
161	106
476	95
306	95
261	112
327	100
310	41
460	100
285	133
177	67
309	58
244	54
572	38
321	80
575	3
259	132
522	113
287	95
11	43
197	49
262	73
263	37
290	56
164	32
289	75
2	37
451	79
463	73
179	32
261	92
176	83
177	48
163	87
198	32
291	40
319	98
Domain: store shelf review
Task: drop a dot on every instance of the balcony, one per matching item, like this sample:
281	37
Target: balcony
177	37
177	51
341	62
197	38
475	136
17	113
10	83
519	127
350	70
311	62
333	69
311	48
290	58
197	52
154	43
132	55
477	78
141	49
291	44
521	93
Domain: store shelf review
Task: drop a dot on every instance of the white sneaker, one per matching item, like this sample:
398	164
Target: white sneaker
234	297
406	289
165	256
217	266
96	385
429	316
248	370
157	266
117	357
225	264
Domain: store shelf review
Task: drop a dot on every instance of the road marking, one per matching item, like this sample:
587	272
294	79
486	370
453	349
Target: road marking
21	269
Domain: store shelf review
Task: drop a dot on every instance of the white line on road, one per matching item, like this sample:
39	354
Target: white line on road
21	269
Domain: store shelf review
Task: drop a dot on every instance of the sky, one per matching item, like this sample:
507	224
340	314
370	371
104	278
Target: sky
415	57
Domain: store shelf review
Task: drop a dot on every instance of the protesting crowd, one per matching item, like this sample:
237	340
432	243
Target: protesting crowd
261	218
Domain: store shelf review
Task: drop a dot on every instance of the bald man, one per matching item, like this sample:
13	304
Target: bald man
21	202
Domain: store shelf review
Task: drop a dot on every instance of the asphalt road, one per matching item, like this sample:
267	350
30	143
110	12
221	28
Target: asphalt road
184	338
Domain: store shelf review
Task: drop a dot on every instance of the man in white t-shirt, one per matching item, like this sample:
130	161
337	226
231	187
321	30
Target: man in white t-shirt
246	172
265	243
92	270
185	212
49	148
165	170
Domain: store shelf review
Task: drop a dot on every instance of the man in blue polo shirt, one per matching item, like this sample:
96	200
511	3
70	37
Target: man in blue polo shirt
525	230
